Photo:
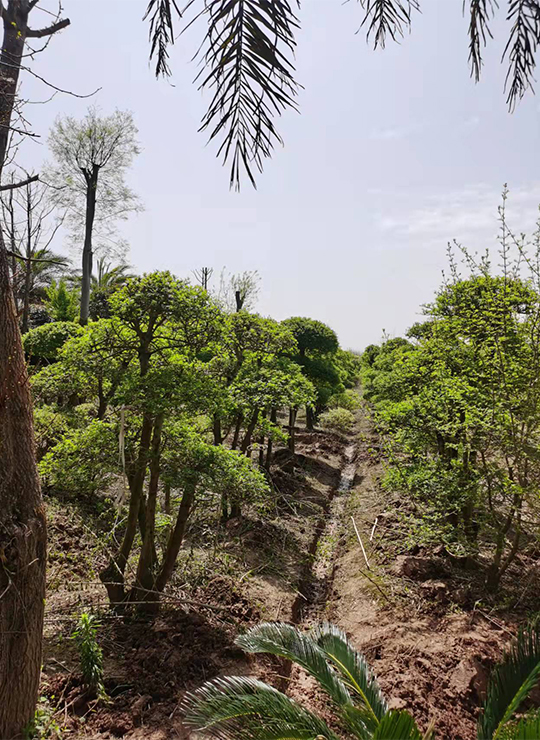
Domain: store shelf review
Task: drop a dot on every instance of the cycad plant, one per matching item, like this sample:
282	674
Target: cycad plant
240	708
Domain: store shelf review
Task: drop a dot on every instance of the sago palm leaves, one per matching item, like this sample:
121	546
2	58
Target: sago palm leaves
246	709
510	684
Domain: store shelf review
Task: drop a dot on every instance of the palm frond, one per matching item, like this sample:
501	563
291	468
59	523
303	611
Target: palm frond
161	32
521	48
354	671
510	683
397	725
246	709
247	63
387	18
288	642
527	728
480	13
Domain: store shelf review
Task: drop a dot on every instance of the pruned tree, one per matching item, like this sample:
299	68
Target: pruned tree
247	58
91	159
238	291
23	536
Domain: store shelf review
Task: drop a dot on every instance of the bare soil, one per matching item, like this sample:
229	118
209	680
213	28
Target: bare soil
431	646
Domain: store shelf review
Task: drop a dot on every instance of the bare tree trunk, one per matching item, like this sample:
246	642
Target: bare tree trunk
91	178
23	534
176	538
310	418
28	266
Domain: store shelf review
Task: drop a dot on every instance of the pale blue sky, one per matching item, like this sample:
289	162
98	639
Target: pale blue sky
395	153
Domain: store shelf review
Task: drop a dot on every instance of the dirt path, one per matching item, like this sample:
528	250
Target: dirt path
432	659
304	564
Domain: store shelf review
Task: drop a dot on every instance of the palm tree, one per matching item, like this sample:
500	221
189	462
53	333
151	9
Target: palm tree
240	708
109	277
247	58
103	284
34	272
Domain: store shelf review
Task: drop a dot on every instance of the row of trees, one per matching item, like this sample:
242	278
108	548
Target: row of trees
195	396
459	401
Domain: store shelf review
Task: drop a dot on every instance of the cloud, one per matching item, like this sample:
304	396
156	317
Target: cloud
469	215
397	132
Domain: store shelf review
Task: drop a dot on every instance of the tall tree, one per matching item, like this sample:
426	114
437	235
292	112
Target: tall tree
23	535
247	57
92	157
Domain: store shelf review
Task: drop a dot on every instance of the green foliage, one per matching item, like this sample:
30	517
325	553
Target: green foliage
84	461
62	302
45	342
338	420
312	336
348	399
44	724
90	653
510	683
229	708
460	407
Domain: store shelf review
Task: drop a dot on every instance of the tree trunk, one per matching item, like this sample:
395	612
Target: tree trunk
28	266
292	423
237	429
310	418
273	419
167	502
91	177
147	558
218	438
176	538
249	431
113	575
23	535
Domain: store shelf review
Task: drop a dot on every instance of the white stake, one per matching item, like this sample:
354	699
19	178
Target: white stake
361	543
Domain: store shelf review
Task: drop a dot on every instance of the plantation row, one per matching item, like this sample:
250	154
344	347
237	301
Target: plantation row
458	403
172	405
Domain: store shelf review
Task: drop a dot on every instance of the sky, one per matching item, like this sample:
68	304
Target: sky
395	153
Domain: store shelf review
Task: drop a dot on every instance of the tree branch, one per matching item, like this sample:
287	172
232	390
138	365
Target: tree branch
14	185
34	259
41	32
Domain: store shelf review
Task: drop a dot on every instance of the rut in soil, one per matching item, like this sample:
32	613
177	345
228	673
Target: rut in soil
315	584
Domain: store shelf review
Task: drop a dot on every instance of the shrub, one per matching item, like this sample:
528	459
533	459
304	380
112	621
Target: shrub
339	420
349	400
44	342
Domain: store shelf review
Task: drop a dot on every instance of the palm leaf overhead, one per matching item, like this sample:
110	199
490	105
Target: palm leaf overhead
387	18
247	60
510	683
481	12
354	670
521	47
245	709
247	64
286	641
